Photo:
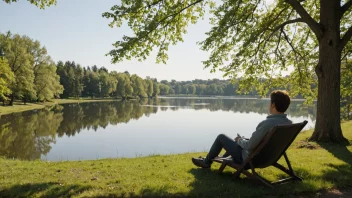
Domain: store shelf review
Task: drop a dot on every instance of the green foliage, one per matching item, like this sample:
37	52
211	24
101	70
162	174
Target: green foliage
21	61
108	83
138	86
47	82
71	78
178	89
164	89
6	78
34	72
39	3
149	87
155	23
192	89
124	85
156	89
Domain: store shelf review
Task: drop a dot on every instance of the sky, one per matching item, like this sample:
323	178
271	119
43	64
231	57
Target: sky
74	30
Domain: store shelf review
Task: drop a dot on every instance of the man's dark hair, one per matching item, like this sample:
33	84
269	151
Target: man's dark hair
281	99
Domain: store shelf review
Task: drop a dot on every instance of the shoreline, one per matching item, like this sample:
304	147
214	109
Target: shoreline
20	107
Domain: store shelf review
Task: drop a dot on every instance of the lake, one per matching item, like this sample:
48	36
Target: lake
133	128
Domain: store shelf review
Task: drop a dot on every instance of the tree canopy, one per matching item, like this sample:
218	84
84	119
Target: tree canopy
6	78
39	3
29	71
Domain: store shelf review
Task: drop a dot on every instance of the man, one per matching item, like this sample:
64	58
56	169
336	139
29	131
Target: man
240	148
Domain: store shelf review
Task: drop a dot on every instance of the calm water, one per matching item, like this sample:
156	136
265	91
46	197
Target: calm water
133	128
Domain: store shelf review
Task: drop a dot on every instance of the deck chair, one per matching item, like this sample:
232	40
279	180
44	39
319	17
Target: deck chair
267	153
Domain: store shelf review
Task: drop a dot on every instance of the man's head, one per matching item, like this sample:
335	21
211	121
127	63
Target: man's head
279	102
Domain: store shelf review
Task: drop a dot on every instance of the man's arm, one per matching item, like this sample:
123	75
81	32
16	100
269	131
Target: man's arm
255	139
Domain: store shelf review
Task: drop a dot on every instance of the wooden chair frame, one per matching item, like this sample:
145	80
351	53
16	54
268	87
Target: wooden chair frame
248	163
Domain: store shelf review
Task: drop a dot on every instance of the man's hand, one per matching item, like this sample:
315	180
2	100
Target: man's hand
237	138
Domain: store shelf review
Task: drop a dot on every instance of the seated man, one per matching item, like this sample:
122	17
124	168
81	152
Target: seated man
240	148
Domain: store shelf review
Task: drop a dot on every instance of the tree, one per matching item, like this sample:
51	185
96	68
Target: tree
171	91
178	89
70	78
156	89
107	82
39	3
124	86
78	80
20	61
185	89
138	86
46	80
255	39
192	89
6	78
164	89
201	89
47	83
149	87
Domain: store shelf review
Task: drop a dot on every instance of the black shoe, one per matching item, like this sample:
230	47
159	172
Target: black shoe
200	162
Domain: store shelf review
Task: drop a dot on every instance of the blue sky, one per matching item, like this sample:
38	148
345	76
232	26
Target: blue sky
75	30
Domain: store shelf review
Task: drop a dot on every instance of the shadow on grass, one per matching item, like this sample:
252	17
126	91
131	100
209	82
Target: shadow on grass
51	189
206	183
339	151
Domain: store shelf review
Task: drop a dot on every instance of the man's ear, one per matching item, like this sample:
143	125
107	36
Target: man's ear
273	105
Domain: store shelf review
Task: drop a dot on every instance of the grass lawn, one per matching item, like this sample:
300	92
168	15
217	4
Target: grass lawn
19	106
323	167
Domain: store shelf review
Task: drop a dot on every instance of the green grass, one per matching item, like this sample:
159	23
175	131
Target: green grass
19	106
323	167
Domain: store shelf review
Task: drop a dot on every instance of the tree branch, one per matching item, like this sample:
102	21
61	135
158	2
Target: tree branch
290	43
314	26
347	37
345	7
286	23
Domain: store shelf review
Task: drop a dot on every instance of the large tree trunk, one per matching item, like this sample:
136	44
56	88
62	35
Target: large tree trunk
328	126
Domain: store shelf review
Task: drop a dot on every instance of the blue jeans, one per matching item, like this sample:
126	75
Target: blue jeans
229	144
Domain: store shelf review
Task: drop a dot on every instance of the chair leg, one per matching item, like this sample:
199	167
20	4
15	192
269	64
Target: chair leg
293	174
222	167
263	181
290	173
236	174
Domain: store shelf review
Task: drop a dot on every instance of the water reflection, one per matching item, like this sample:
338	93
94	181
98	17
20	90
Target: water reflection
29	135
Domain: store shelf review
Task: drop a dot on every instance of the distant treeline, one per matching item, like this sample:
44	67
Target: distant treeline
93	81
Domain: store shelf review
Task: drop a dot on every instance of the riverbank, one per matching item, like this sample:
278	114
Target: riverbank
326	168
20	107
